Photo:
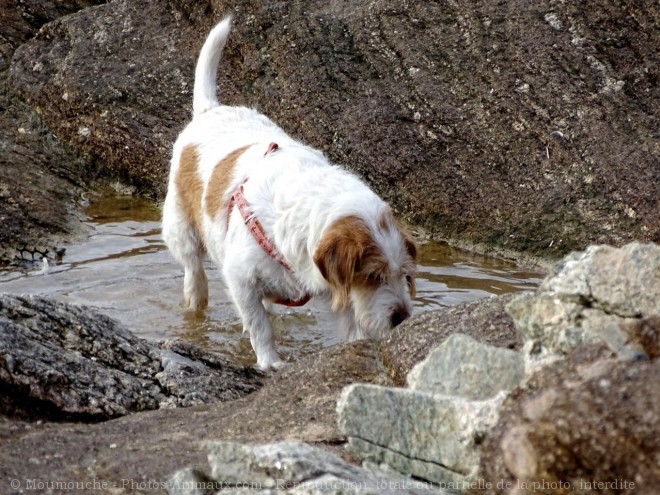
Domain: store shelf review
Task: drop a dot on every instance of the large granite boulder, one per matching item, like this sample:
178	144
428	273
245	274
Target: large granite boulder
534	132
63	361
41	177
584	425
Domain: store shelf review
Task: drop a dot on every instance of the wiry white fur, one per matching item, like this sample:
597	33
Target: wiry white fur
296	194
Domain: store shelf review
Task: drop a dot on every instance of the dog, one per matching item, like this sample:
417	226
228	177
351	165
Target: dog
282	222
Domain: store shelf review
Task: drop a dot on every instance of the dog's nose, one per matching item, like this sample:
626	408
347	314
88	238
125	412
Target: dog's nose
398	317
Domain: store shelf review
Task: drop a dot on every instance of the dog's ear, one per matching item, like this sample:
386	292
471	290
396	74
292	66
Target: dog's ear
338	256
411	248
411	245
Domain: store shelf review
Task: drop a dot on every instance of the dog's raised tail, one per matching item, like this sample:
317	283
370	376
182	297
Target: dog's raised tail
206	72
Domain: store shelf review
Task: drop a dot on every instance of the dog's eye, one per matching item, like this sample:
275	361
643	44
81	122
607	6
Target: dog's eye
410	281
375	278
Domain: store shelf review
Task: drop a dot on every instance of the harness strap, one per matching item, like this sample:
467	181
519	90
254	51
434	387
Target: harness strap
254	226
259	234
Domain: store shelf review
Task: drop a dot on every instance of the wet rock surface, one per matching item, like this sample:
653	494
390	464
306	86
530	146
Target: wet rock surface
534	132
78	364
41	177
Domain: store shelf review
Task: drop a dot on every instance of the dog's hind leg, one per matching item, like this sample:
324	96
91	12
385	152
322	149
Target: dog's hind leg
195	283
187	248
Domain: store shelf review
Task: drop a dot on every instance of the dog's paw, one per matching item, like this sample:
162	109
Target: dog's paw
279	365
195	304
274	365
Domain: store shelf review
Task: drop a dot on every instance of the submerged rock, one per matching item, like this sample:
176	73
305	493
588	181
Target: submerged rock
59	360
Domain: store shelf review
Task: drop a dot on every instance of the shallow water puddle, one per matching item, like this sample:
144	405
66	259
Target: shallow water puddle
125	271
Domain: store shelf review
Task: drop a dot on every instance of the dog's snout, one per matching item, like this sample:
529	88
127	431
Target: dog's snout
398	316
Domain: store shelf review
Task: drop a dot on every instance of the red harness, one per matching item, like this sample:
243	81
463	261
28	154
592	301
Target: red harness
259	234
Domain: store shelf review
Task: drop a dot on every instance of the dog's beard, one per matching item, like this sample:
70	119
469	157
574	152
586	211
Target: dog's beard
373	309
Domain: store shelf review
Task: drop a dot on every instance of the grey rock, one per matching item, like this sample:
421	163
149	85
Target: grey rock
297	403
297	468
191	375
485	320
190	481
463	367
430	436
621	281
69	361
591	296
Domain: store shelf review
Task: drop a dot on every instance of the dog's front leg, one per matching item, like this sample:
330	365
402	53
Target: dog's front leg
348	325
256	322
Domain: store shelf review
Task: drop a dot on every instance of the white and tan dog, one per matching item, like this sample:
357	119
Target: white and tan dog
281	221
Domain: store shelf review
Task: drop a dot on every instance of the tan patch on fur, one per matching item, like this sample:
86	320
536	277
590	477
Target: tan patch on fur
347	255
219	182
189	189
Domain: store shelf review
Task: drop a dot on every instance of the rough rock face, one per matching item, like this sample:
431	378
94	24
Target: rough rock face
564	424
586	422
64	361
587	418
601	294
142	450
578	423
461	366
524	125
429	436
40	177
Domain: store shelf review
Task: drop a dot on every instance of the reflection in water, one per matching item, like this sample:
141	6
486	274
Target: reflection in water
125	271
